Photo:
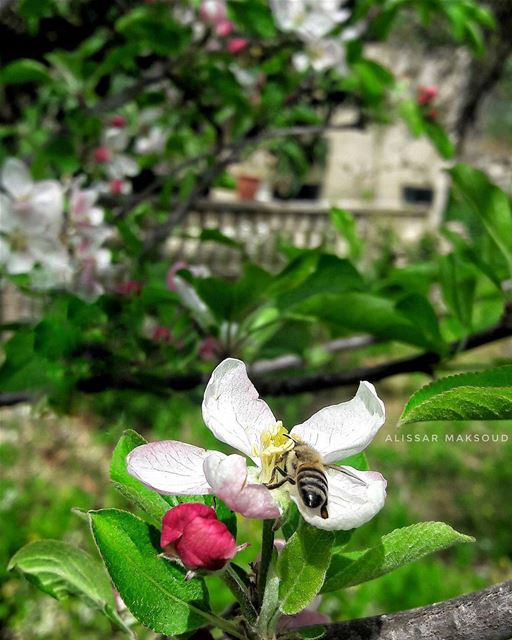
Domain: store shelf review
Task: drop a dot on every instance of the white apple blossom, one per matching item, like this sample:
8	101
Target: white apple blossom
235	414
321	55
118	163
309	19
31	216
152	142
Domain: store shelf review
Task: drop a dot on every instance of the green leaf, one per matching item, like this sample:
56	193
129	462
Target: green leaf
153	588
458	282
23	71
151	502
346	225
489	204
331	275
439	139
253	17
217	236
302	566
411	114
61	569
483	395
394	550
375	314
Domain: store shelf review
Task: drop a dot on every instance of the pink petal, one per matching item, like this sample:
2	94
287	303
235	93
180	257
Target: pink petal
176	519
228	480
206	544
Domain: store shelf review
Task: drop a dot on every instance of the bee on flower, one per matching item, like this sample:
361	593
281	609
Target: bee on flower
235	414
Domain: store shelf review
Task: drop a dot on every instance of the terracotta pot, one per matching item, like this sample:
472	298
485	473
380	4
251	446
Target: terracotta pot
247	187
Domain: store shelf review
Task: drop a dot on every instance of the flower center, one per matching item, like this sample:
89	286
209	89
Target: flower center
18	240
274	443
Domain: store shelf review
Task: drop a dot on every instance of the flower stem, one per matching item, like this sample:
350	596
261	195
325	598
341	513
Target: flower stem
267	547
225	625
238	589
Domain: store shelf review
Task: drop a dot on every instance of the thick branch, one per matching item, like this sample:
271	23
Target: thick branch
482	615
421	363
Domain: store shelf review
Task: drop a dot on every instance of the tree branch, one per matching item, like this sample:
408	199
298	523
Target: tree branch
422	363
482	615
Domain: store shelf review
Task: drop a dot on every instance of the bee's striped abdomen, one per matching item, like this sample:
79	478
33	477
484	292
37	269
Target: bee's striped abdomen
312	486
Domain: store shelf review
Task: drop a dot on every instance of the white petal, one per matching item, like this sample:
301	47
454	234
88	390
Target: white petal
20	262
350	503
232	409
190	298
228	478
170	467
301	61
47	202
16	178
116	139
4	251
82	201
8	217
344	429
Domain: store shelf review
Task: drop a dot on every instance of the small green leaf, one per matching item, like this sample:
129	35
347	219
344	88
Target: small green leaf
152	503
302	566
346	225
483	395
153	588
24	70
439	139
217	236
394	550
61	569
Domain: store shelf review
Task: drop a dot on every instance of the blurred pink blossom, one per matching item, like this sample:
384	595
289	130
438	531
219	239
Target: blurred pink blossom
237	45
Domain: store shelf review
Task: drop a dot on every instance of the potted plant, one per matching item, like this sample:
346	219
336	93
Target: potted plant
252	172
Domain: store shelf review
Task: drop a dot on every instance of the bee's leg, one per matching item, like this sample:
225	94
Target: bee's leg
276	485
284	474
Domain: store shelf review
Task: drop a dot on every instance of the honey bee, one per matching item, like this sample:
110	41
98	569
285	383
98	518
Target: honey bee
304	468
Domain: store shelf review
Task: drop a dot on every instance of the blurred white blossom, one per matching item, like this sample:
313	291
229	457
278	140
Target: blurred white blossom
31	216
112	153
309	19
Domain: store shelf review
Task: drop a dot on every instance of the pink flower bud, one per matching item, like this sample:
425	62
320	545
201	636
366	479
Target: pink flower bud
192	533
102	154
129	287
237	45
118	121
161	334
224	28
209	348
426	95
115	186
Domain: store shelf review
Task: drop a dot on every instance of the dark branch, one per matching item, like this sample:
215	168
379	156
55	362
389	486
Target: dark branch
422	363
482	615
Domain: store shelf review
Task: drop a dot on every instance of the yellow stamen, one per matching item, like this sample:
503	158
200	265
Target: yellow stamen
274	443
